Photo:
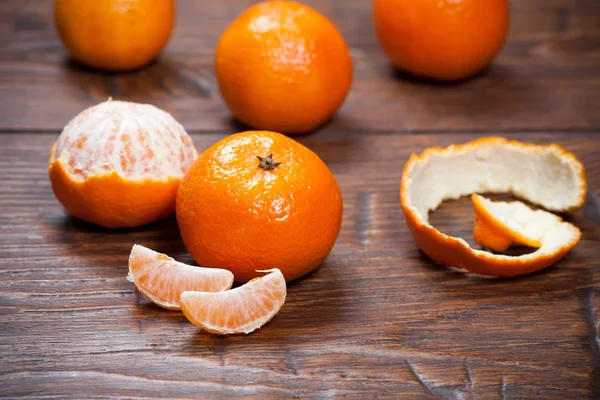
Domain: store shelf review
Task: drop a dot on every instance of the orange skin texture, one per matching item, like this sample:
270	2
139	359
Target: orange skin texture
111	201
282	66
451	251
447	40
114	35
237	216
489	232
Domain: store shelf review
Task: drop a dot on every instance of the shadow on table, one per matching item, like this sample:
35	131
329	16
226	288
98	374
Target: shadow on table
160	76
492	71
556	278
455	218
315	303
494	92
85	239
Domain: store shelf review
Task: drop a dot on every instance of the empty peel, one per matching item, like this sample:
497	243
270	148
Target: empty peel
548	176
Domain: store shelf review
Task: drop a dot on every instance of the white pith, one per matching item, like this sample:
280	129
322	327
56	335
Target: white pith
542	175
516	216
137	141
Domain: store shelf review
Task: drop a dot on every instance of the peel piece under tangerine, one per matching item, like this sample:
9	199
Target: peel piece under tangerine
546	175
499	224
161	279
240	310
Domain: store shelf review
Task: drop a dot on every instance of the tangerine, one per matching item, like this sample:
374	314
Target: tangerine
119	164
114	35
441	39
284	67
257	200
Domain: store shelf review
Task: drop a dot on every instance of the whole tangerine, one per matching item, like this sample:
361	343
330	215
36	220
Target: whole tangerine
119	164
114	35
441	39
284	67
258	200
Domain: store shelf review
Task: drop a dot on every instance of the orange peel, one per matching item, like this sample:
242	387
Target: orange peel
500	224
546	175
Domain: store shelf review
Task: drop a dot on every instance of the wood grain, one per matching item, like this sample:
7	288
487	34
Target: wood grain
546	78
378	319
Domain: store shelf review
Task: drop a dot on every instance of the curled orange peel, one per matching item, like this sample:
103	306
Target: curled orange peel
546	175
499	224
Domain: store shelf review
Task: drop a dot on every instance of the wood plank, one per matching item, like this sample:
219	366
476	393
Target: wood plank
547	76
377	318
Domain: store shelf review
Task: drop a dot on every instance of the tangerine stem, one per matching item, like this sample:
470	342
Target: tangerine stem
267	163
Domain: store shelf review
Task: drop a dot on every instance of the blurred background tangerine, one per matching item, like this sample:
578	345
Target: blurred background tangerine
546	41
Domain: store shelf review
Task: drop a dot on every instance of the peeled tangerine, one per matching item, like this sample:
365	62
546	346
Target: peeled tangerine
119	164
162	280
548	176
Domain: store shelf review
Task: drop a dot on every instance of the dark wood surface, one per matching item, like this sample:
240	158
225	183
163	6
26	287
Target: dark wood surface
378	319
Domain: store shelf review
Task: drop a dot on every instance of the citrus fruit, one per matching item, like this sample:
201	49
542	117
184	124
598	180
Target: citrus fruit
282	66
258	200
119	164
162	280
114	35
546	175
240	310
441	39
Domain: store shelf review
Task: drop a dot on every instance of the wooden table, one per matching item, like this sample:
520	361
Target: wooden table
378	319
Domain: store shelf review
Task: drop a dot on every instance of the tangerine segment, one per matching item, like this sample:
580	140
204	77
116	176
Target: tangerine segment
162	280
240	310
545	175
499	224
